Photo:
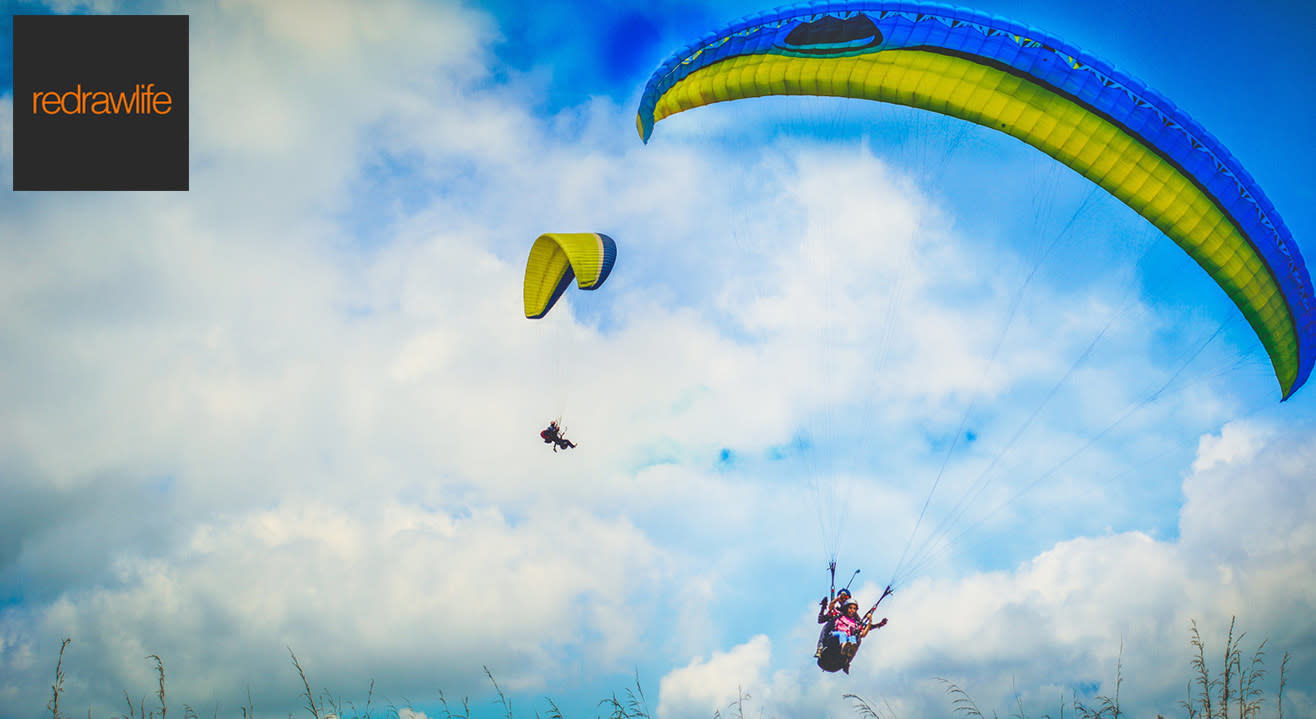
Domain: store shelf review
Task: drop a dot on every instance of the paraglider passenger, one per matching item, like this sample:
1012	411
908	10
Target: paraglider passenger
846	629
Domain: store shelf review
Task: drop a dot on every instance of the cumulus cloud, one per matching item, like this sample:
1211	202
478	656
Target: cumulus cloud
367	593
710	685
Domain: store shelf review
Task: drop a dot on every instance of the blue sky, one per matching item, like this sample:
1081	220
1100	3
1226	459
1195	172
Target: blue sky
296	406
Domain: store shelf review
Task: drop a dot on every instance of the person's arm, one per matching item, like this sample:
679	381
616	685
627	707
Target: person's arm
868	616
869	625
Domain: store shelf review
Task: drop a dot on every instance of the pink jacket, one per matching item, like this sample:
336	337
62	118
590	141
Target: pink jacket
847	625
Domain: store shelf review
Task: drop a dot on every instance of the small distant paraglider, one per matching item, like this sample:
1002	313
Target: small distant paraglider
555	260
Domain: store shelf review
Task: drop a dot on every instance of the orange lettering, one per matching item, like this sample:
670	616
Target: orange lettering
76	102
120	105
143	100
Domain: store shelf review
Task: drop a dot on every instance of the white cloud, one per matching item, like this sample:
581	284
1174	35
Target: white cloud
360	595
1236	443
706	686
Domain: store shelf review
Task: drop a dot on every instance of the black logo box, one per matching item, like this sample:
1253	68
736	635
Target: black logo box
111	53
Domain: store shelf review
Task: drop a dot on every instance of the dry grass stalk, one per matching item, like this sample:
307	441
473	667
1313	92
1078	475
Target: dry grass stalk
962	702
58	687
159	669
636	706
861	706
310	697
447	711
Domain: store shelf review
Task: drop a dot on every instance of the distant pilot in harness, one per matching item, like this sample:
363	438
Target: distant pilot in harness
553	435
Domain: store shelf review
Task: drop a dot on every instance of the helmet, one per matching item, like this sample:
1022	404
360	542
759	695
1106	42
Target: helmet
848	602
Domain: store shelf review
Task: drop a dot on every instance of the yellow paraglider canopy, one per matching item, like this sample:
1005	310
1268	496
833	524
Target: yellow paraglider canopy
558	257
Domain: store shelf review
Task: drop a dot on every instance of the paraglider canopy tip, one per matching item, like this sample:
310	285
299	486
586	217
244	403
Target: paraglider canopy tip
1287	392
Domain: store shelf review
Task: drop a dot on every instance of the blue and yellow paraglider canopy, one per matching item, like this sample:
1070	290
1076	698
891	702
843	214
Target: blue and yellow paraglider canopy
1080	110
557	258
